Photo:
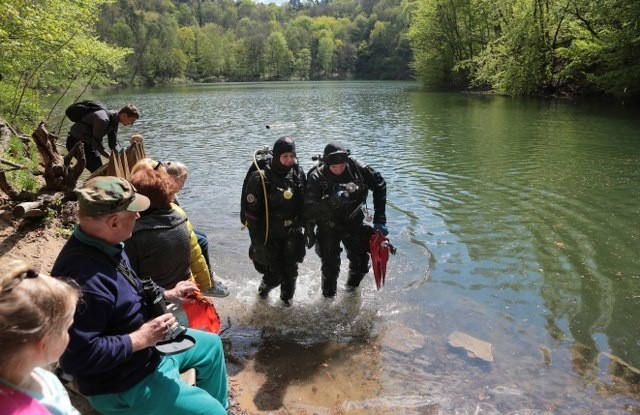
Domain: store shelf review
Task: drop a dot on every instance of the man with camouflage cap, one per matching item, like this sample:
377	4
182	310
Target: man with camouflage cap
111	353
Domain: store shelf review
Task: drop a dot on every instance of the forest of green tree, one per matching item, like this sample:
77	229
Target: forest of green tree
514	47
242	40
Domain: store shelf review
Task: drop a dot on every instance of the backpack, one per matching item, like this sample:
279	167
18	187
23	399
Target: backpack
261	158
78	110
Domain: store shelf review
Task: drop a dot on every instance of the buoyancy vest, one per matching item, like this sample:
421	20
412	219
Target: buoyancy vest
284	200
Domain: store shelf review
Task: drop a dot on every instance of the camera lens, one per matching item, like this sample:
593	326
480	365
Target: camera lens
153	297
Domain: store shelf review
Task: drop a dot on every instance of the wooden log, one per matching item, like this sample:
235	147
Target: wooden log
53	162
29	210
33	209
46	143
12	164
8	189
72	173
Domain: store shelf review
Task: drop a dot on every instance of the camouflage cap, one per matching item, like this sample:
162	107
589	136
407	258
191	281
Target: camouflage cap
107	194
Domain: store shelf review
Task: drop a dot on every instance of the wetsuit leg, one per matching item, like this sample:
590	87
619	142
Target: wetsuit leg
267	283
358	258
293	254
272	275
289	278
328	249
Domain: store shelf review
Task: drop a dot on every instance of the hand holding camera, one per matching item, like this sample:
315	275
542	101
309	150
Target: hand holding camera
175	338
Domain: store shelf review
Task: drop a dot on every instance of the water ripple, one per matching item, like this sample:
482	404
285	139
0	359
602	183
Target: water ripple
515	220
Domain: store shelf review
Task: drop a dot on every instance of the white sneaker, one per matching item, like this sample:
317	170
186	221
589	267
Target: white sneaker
217	290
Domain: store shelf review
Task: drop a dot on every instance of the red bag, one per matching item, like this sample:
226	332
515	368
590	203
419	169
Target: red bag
379	248
202	314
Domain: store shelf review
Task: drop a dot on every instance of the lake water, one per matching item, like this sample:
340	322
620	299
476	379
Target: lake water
516	223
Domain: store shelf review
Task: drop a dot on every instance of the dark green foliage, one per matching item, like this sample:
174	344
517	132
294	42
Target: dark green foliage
529	47
242	40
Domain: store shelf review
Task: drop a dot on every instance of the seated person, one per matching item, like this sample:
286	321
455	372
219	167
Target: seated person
111	353
136	138
35	314
199	251
180	172
159	246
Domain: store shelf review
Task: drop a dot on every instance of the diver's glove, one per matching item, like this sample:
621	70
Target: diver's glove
261	255
380	227
309	235
332	202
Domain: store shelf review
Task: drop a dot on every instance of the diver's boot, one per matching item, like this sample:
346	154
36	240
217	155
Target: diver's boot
263	290
350	289
287	289
353	282
329	286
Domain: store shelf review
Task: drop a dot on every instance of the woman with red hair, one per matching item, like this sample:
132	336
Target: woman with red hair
159	247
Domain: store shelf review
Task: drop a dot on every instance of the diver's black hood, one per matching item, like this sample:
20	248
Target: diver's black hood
335	153
282	145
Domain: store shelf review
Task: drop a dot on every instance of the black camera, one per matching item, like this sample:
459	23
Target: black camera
176	340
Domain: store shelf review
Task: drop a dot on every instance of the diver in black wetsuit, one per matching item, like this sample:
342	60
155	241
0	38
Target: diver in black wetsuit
337	189
277	241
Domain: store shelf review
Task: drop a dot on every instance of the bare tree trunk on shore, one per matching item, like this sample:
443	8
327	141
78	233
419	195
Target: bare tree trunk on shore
59	175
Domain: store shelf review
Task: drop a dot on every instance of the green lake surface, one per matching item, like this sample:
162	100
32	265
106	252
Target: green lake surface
516	222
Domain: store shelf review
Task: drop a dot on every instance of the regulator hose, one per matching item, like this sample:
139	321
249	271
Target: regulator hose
264	191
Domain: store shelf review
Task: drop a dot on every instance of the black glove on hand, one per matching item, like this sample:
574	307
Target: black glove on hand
261	255
382	228
310	235
335	202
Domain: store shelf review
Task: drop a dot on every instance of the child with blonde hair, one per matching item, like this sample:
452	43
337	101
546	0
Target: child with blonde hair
36	312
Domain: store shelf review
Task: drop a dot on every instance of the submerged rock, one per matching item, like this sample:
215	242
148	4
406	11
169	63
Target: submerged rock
621	369
404	339
474	347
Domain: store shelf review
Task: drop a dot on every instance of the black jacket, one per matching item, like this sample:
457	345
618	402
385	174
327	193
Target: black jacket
94	126
337	200
285	196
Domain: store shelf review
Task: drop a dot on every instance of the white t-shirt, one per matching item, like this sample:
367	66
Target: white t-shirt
57	401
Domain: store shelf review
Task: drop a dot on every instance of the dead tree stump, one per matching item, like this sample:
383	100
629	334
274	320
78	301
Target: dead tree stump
59	174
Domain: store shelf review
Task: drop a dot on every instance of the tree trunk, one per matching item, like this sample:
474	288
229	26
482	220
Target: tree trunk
5	134
59	175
